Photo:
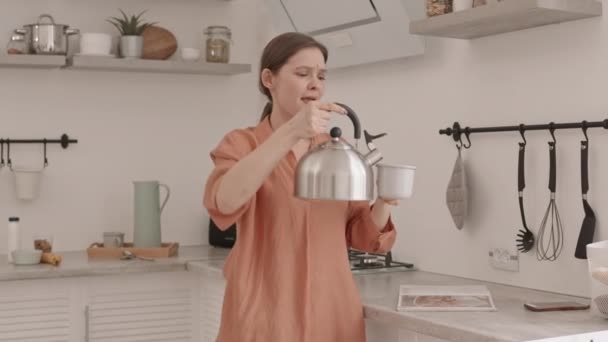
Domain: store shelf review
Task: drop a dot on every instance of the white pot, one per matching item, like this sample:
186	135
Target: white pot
395	181
131	46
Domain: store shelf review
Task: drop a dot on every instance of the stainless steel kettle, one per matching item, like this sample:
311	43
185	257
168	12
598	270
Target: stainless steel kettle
335	170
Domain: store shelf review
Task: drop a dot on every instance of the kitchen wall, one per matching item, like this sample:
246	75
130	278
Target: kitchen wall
129	126
554	73
148	126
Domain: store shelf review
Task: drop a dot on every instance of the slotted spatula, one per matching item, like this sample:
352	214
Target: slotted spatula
585	236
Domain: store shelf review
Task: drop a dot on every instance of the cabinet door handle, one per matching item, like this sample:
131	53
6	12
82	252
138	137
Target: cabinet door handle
86	323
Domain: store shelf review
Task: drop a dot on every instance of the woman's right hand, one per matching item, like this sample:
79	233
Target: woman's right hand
313	118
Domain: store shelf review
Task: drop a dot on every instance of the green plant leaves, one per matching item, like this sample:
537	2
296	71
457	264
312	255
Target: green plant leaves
130	26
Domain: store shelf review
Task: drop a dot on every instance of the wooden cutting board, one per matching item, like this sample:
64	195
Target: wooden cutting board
159	43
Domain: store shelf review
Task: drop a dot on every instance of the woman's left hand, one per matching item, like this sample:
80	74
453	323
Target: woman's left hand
381	210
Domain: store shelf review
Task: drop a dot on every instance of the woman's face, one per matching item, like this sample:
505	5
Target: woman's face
300	80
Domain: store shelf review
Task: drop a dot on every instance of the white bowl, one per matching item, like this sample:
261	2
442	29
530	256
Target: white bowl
26	256
191	54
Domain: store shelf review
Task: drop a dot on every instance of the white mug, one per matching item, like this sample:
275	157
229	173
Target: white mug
395	181
92	43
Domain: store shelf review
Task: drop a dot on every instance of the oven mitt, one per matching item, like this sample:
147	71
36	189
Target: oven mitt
456	196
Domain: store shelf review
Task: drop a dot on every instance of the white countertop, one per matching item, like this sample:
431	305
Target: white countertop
511	322
77	264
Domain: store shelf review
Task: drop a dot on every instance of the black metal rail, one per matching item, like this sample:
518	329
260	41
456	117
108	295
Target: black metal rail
457	130
64	141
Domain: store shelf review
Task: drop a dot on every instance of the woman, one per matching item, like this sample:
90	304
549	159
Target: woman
288	277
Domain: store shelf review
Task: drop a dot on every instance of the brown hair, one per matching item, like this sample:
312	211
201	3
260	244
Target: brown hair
277	52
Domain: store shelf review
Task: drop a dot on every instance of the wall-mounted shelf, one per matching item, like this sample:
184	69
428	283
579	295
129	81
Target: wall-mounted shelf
31	61
154	66
505	16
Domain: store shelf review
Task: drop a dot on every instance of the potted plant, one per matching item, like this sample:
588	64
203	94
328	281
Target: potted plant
131	41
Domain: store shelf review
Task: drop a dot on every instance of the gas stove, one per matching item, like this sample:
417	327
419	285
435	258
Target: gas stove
363	262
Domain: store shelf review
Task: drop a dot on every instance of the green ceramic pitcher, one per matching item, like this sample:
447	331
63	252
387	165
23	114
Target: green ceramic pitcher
147	228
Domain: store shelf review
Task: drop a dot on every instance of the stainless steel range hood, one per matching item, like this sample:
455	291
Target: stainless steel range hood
355	31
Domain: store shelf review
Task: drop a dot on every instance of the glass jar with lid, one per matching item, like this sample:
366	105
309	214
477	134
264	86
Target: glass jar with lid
16	45
217	44
438	7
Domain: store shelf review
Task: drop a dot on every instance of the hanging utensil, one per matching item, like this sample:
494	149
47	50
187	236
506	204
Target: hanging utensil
525	241
457	194
585	236
549	244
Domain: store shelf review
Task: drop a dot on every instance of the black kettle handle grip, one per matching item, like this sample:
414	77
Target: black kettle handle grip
354	118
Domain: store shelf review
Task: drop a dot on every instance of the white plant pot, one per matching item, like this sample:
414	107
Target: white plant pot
131	46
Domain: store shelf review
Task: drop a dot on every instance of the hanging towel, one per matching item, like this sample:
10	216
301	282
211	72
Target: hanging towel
457	194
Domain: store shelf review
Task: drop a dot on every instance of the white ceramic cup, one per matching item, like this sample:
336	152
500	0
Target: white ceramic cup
395	181
459	5
190	54
92	43
27	182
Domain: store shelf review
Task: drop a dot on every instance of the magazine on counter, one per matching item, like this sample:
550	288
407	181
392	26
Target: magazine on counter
445	298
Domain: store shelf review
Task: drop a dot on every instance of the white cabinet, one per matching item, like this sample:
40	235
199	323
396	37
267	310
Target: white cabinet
143	307
150	307
38	311
378	332
212	299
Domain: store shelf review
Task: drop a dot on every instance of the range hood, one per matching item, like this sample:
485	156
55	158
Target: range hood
355	31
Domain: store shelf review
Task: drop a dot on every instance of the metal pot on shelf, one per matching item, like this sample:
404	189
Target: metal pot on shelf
45	38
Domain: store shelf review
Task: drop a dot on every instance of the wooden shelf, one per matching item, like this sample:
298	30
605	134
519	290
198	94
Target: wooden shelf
505	16
32	61
154	66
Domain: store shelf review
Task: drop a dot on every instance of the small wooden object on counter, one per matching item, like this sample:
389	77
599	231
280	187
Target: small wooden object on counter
50	258
166	250
43	245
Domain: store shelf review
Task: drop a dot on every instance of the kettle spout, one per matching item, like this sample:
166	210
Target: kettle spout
373	157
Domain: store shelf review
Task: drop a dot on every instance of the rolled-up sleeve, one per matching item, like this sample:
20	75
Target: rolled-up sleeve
363	234
233	147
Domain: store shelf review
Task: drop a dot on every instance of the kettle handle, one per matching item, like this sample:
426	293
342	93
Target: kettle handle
354	118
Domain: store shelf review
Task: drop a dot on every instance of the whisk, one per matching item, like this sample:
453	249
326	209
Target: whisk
549	244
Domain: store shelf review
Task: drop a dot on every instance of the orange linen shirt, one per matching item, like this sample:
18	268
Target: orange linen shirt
288	277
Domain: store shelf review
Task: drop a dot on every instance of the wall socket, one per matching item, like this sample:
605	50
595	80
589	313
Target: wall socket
502	259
